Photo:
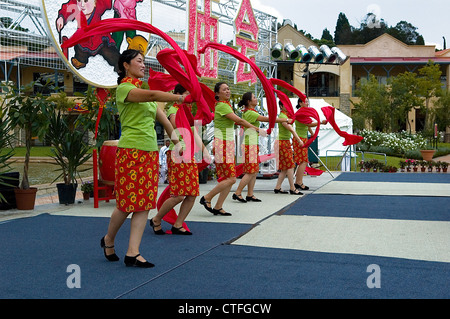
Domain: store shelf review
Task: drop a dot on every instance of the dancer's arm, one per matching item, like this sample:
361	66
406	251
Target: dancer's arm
262	118
236	119
161	117
142	95
293	132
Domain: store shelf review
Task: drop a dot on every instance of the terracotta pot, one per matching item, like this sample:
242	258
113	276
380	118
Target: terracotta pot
86	196
427	155
25	198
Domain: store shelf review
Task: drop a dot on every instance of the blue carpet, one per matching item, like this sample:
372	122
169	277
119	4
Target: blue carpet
35	253
239	272
368	206
395	177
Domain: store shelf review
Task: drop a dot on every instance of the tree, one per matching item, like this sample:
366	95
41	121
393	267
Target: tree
403	97
406	32
369	30
326	35
429	87
343	32
441	112
29	112
374	105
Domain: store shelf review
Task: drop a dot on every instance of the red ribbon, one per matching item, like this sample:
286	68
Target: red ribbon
102	96
350	139
267	86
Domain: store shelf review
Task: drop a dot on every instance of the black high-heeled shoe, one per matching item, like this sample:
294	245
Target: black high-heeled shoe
205	204
295	192
279	191
252	199
153	225
133	262
220	212
302	187
113	256
178	231
238	198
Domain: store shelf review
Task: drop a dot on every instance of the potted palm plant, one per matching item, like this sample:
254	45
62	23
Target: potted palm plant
8	180
70	152
29	112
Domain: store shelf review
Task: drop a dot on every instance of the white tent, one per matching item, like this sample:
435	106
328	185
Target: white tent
328	139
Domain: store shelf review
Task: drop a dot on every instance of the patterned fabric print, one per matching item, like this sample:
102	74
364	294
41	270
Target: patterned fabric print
224	158
300	153
286	156
137	175
136	82
183	178
251	158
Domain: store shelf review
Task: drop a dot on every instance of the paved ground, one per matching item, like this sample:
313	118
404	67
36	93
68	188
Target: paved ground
353	235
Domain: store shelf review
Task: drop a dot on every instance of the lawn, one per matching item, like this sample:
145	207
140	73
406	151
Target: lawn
36	151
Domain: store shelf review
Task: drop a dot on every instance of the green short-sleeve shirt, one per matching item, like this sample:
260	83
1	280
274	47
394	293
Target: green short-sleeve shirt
283	133
251	136
137	121
173	110
301	129
223	127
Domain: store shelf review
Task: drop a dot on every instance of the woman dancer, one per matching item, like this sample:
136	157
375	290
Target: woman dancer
224	147
137	166
285	159
183	179
300	153
251	147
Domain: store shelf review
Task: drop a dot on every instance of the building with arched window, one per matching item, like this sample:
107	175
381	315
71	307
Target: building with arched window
383	57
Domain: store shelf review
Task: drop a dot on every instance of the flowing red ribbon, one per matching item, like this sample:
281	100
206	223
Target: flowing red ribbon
120	24
350	139
102	96
171	216
267	86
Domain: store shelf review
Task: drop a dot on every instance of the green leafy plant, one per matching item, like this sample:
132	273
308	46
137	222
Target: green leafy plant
69	149
30	112
87	187
5	144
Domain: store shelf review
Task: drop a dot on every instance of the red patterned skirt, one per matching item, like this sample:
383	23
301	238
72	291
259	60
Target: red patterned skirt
251	158
300	153
137	175
183	177
224	158
285	155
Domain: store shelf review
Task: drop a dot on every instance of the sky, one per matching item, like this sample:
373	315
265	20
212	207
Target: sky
431	18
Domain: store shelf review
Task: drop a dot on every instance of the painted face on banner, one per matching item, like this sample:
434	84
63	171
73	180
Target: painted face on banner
95	60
